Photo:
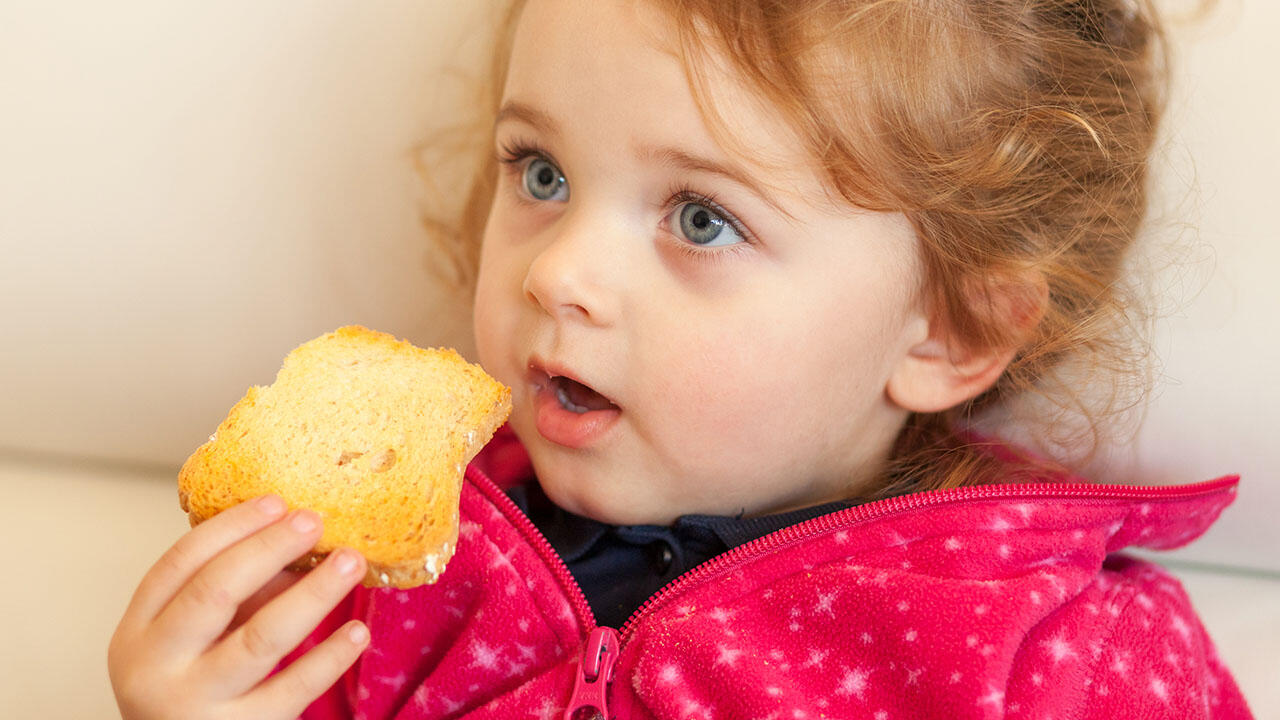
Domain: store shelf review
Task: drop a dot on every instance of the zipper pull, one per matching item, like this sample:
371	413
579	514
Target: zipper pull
594	674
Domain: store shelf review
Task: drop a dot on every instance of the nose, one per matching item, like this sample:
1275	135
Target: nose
576	274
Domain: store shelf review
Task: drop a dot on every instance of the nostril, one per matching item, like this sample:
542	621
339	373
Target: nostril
530	295
557	304
578	310
531	292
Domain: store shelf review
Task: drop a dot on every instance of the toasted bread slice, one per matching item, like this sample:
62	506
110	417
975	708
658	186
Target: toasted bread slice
368	431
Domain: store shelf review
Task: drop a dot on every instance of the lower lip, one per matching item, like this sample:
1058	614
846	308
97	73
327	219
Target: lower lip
568	428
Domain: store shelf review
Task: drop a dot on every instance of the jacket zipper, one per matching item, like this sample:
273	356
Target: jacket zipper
595	671
603	644
535	538
844	519
600	651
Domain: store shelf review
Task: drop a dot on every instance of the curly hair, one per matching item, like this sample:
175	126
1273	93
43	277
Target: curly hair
1015	136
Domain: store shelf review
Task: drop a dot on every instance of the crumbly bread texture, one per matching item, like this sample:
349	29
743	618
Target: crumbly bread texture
370	432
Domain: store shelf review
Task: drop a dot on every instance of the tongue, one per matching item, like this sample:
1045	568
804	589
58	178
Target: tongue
583	396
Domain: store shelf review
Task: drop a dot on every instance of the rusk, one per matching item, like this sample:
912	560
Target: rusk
368	431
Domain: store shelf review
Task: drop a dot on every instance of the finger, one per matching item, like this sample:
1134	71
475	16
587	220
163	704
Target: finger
274	587
203	608
190	553
245	656
288	693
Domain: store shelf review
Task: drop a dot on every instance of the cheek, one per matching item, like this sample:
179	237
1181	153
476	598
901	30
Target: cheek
723	394
483	315
483	321
492	311
781	378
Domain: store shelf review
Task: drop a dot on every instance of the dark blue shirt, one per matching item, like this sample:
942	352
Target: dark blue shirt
620	566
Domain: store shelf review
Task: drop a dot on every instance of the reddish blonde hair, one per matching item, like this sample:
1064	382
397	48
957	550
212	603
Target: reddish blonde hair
1013	134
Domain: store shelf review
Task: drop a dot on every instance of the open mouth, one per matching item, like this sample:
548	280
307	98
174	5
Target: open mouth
578	398
569	412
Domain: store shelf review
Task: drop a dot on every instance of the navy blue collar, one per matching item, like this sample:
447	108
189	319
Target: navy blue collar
735	531
619	566
574	536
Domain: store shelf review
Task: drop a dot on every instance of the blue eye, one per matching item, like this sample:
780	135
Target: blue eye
544	181
705	227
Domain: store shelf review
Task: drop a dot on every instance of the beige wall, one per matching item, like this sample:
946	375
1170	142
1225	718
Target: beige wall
192	189
1217	409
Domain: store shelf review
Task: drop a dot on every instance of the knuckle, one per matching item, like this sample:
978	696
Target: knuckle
202	591
271	542
115	654
302	685
325	664
118	671
263	542
130	687
257	641
316	587
133	685
174	561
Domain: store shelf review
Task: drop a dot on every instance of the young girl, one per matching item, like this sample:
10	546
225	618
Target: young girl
751	270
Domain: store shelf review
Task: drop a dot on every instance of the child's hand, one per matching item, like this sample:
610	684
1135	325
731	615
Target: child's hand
216	614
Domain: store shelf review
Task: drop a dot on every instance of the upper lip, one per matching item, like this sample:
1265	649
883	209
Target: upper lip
541	371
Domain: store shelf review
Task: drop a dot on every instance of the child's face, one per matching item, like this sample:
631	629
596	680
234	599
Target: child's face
734	336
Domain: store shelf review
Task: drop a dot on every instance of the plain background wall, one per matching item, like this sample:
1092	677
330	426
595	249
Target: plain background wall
192	189
189	190
1217	407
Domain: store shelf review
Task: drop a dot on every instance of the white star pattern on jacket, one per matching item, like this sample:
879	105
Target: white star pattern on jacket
816	658
546	711
998	608
824	603
1058	649
727	656
853	683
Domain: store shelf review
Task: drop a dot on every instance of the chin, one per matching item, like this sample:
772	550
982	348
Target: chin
574	502
612	511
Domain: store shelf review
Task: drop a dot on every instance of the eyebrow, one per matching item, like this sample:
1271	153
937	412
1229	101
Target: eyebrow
678	159
528	115
670	157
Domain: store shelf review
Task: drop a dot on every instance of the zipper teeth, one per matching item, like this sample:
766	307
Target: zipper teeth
531	533
889	506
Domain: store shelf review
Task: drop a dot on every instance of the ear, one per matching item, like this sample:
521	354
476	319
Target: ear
945	370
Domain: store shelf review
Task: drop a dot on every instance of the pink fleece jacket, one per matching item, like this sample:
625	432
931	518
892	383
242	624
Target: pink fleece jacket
984	602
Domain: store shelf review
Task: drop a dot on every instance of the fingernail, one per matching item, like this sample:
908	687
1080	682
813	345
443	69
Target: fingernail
271	505
345	562
358	634
303	521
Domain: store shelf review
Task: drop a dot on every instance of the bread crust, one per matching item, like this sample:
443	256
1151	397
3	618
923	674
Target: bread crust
370	432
